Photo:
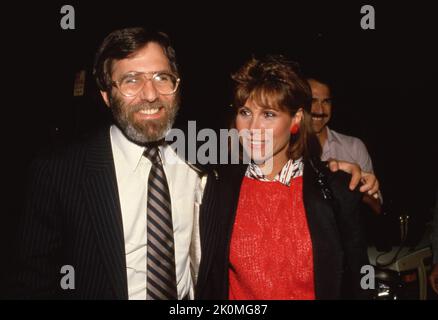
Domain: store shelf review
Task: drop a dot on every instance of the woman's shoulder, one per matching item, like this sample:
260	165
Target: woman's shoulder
339	179
228	179
336	184
339	183
231	173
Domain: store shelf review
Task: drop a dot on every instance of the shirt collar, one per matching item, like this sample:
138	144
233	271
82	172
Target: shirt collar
331	135
292	169
131	152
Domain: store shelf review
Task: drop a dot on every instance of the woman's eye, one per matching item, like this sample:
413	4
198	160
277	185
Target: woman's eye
269	114
244	112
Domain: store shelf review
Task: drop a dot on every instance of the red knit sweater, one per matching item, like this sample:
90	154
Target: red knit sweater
271	249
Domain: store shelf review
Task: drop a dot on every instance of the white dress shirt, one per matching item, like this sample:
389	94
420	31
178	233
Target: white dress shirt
346	148
132	171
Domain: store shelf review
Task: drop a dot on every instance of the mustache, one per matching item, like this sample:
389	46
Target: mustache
318	115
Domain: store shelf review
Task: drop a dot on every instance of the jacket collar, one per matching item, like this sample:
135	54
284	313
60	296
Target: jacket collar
101	192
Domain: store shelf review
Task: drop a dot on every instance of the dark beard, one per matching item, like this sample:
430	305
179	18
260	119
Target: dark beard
144	131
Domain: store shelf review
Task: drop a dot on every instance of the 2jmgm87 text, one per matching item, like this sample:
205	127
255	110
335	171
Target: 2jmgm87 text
218	309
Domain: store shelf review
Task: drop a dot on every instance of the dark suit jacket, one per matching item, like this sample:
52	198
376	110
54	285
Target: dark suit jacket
73	217
339	250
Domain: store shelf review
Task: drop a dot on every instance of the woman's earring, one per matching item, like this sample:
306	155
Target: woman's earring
294	129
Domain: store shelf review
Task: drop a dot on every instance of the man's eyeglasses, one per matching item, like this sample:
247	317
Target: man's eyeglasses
323	102
132	83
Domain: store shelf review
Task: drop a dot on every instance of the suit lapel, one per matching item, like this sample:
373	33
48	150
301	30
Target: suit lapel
102	196
219	202
323	232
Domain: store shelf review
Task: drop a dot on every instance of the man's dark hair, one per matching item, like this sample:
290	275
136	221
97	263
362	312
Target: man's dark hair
123	43
321	79
324	78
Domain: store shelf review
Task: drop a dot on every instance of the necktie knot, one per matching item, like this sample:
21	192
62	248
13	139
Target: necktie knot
152	154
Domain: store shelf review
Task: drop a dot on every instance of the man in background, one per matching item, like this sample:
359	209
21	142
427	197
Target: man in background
334	144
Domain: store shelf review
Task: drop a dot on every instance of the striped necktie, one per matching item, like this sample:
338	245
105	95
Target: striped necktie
161	275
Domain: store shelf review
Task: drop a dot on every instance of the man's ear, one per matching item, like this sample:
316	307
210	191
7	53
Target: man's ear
105	97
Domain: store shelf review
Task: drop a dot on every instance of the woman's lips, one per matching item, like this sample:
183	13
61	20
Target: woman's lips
256	143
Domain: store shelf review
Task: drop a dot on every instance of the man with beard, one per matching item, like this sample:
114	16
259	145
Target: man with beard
117	217
119	212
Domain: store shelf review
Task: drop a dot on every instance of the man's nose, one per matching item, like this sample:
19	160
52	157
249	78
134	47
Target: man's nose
317	107
148	92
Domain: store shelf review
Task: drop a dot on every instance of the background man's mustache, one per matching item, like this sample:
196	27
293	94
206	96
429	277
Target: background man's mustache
319	115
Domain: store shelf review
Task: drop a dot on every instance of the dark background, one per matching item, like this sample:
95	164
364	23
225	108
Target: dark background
384	79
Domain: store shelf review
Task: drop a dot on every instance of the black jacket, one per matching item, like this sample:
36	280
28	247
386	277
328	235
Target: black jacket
73	217
339	250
